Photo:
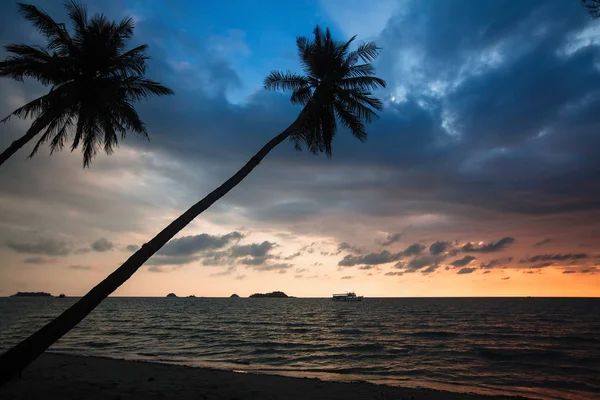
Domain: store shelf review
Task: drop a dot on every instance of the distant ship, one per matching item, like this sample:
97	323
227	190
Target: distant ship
350	296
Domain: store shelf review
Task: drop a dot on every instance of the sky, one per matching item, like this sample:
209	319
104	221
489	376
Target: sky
481	178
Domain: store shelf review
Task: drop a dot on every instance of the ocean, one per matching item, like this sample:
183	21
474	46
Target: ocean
543	348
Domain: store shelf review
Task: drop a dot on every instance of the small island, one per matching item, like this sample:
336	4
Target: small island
31	294
192	296
278	295
234	296
171	295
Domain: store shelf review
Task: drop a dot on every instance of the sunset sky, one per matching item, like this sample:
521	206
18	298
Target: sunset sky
482	177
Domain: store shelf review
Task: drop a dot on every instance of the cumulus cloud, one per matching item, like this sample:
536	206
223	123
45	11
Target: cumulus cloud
479	247
345	246
382	257
102	245
500	262
49	247
554	257
188	245
391	239
413	250
253	250
439	247
466	270
466	260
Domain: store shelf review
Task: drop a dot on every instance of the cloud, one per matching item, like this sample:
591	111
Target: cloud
347	277
439	247
430	269
49	247
383	257
230	270
366	267
462	261
413	250
344	246
132	248
505	278
102	245
40	260
188	245
554	257
542	242
80	267
472	247
466	270
394	273
391	239
500	262
240	277
427	262
272	267
254	249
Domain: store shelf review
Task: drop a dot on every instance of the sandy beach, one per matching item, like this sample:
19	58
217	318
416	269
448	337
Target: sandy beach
66	377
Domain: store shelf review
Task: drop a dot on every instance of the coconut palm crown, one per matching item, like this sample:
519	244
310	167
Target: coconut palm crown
336	87
94	81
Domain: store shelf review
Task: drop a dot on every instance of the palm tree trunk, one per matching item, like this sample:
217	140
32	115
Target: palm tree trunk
32	132
16	359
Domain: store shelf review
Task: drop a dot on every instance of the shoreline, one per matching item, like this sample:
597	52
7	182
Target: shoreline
64	377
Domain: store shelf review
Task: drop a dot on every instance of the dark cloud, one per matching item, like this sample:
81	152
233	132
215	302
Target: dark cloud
472	247
439	247
505	278
542	242
172	260
366	267
500	262
49	247
132	248
430	269
189	245
344	246
462	261
427	262
554	257
280	267
486	272
394	273
102	245
80	267
465	270
383	257
413	250
347	277
253	250
39	260
391	239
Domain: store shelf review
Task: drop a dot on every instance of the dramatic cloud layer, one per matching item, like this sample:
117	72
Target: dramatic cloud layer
484	161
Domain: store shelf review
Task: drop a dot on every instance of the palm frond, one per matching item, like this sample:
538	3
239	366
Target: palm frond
367	52
277	80
360	70
350	121
77	13
363	83
302	95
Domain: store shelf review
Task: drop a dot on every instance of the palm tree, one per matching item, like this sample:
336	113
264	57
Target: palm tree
335	88
93	82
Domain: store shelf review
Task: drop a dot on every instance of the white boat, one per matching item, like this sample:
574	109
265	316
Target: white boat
350	296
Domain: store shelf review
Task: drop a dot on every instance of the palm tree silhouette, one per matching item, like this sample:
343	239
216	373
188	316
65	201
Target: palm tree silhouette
93	82
336	87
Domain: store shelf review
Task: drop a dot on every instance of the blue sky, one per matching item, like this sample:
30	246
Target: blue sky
487	146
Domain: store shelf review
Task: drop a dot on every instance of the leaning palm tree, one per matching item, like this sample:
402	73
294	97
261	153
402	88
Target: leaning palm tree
93	82
336	87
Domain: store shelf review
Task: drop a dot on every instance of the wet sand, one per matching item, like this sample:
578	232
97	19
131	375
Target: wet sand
67	377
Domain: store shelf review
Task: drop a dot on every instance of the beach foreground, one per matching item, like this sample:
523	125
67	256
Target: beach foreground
65	377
